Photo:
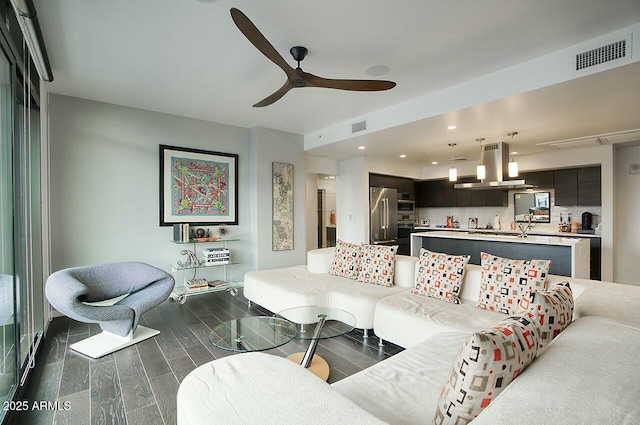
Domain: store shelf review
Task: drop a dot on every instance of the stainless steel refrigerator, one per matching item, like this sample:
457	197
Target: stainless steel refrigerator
384	215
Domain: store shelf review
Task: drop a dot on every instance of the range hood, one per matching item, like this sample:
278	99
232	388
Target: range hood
495	158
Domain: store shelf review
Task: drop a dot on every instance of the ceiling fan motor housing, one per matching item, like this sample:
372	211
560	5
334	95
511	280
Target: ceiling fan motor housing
298	53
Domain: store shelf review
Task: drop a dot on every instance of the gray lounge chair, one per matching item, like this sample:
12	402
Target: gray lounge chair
114	296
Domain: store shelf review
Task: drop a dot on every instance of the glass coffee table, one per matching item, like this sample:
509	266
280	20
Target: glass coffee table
258	333
315	323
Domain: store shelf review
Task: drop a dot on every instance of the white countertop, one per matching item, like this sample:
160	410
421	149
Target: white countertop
540	240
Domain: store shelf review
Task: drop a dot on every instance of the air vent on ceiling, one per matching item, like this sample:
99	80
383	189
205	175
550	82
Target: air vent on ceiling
359	126
596	140
604	56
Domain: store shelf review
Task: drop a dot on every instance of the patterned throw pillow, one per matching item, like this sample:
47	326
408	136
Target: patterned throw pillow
554	308
346	260
440	275
487	362
377	264
504	281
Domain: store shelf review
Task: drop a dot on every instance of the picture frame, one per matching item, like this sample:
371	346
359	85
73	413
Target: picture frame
198	187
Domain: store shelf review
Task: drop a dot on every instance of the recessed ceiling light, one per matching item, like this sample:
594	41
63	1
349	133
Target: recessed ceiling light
451	127
361	147
403	156
377	70
332	177
514	153
434	162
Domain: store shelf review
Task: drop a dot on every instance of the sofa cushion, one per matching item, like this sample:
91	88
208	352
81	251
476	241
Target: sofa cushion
487	362
407	319
588	375
377	264
346	260
404	388
554	308
504	281
320	260
440	275
260	388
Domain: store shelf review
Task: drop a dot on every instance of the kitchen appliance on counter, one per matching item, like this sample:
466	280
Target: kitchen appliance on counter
383	222
587	223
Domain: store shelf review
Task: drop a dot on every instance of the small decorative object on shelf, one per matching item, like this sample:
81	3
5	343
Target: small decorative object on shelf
223	231
192	260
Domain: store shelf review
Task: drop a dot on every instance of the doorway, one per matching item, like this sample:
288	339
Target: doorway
326	194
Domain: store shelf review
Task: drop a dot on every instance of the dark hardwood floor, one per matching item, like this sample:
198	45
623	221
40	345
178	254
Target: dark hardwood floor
138	385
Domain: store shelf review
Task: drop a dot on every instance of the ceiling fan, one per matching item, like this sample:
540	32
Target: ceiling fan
297	77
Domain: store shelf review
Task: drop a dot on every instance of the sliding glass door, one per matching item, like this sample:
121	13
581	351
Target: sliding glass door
28	221
8	334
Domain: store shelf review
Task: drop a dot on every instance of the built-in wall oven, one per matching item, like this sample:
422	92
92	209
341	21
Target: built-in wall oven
406	221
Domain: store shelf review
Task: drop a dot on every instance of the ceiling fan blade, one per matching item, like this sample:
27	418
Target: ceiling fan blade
354	85
256	38
275	96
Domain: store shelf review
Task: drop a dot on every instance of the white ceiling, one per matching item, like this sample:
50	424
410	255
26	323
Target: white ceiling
187	58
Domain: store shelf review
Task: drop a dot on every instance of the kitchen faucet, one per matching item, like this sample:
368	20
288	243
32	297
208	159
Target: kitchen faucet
529	225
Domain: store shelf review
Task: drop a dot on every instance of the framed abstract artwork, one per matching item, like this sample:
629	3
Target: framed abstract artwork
198	187
282	221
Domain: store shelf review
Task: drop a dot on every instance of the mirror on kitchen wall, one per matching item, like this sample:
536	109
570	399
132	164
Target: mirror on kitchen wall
536	205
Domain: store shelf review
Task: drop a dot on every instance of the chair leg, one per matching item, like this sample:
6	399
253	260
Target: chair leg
106	342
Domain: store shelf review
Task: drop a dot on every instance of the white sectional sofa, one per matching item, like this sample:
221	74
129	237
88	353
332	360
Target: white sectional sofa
311	284
588	374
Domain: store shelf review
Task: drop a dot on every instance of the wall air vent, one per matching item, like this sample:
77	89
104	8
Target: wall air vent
359	126
604	56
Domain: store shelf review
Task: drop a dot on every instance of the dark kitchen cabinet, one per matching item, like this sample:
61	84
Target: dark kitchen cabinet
382	180
463	198
589	186
497	198
406	188
440	193
435	193
565	184
478	198
578	186
539	179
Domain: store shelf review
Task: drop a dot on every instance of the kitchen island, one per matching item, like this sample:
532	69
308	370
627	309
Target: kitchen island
569	256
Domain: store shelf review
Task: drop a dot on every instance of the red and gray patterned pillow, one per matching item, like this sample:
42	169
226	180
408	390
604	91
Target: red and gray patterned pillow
554	308
504	282
487	362
346	260
440	275
377	264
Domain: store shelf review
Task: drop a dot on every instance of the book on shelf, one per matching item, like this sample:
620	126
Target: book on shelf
217	262
217	283
196	283
181	232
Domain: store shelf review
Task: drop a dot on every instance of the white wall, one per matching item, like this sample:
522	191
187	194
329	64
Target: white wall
627	232
352	201
104	182
268	146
